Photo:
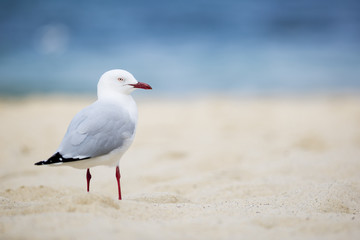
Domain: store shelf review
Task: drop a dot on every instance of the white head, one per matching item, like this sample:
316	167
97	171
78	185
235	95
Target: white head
118	81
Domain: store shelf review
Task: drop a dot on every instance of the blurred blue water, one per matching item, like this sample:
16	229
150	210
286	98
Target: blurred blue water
181	46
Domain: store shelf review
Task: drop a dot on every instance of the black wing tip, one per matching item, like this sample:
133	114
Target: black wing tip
58	158
40	163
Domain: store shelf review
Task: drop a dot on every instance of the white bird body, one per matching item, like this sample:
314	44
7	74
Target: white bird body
102	132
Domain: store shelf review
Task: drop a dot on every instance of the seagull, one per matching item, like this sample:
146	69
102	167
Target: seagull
102	132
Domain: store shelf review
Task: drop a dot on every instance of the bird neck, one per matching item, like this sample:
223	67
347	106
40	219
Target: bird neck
125	101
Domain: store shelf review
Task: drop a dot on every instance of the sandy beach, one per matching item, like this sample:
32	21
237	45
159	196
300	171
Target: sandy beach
212	167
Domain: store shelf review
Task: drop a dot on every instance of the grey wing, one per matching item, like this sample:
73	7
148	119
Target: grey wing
97	130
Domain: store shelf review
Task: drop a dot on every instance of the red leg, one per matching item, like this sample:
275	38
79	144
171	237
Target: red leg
88	177
118	180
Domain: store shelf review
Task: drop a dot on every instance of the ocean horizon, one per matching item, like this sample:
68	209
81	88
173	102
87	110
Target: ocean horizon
180	48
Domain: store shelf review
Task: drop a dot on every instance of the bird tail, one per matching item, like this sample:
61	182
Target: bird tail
58	158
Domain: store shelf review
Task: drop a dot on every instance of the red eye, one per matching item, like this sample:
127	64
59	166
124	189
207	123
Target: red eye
120	79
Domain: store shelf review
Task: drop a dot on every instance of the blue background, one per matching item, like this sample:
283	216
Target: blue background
256	46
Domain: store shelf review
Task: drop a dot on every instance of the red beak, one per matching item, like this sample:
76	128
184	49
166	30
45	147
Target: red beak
141	85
